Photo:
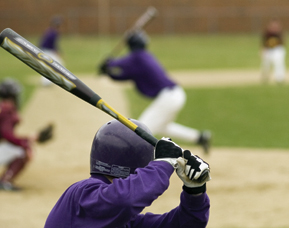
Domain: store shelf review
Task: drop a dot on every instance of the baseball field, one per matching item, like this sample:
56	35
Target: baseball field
249	179
248	186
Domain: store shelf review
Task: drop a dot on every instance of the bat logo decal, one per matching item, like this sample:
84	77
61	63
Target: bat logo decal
38	64
45	57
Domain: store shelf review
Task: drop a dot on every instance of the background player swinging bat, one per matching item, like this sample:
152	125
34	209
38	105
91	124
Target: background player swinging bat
55	72
141	22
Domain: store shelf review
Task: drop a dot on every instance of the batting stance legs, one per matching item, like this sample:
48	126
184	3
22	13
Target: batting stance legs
160	114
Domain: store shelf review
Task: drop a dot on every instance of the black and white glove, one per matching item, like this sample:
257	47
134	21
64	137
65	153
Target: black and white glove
167	150
189	170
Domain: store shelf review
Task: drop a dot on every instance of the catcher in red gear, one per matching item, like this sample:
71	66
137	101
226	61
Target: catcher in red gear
15	151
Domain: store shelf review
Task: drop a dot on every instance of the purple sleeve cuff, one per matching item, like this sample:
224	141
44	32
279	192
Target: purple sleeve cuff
195	202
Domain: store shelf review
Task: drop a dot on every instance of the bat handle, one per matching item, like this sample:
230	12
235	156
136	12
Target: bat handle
146	136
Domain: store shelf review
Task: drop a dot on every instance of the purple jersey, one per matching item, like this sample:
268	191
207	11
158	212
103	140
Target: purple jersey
95	202
49	40
142	68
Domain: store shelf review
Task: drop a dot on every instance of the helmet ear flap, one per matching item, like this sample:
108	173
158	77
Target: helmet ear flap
118	151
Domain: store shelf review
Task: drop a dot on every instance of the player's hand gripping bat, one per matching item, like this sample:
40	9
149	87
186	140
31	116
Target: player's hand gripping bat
141	22
55	72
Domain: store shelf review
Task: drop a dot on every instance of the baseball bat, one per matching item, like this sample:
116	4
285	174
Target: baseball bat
140	23
55	72
58	74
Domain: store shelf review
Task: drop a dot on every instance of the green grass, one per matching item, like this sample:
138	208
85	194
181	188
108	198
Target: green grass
207	52
252	116
82	54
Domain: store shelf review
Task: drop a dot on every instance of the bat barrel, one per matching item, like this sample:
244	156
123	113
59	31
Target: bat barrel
45	65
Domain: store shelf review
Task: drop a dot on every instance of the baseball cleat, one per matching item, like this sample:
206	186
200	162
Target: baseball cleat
205	140
7	186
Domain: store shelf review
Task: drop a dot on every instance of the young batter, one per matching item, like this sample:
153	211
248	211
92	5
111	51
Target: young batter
127	175
152	81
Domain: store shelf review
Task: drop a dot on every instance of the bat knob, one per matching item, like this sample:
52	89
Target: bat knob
205	176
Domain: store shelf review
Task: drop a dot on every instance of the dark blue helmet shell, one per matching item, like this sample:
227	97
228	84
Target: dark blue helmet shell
137	40
118	151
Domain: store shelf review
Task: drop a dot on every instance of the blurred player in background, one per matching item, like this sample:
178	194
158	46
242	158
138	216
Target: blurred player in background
15	151
273	52
127	175
49	43
152	81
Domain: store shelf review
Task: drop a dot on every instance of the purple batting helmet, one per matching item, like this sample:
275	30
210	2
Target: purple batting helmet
118	151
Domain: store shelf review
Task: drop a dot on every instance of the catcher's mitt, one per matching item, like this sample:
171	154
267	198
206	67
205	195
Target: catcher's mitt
45	134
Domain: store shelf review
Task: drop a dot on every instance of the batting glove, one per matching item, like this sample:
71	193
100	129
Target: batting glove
167	150
189	169
103	67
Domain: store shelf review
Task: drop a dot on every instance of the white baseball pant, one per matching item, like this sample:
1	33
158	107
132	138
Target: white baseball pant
161	113
274	57
9	152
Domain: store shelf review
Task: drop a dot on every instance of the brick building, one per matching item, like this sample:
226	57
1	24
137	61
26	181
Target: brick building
114	16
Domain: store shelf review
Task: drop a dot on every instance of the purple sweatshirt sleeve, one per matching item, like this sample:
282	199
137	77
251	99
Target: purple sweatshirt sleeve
193	212
143	69
95	203
126	198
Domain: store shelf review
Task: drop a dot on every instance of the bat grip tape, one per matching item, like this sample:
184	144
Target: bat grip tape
94	99
146	136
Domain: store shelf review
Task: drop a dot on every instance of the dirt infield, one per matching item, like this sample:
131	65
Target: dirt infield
248	187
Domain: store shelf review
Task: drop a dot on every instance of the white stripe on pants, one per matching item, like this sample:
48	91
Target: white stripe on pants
161	113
